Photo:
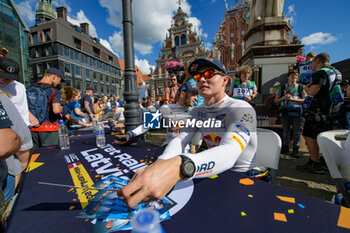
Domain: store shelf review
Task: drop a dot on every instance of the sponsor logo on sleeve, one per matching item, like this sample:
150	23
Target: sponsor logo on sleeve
247	118
240	143
205	168
243	129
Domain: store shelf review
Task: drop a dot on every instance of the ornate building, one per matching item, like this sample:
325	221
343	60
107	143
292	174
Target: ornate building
228	44
181	44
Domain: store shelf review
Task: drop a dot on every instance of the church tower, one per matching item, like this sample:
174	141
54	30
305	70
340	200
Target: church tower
44	11
181	44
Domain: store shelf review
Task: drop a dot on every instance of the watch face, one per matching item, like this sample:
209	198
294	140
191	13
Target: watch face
189	168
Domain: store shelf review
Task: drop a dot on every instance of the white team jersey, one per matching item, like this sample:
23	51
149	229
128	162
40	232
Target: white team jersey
233	145
171	113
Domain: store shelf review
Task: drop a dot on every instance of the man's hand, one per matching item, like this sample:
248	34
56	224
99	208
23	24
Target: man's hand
3	52
248	98
152	183
34	122
122	139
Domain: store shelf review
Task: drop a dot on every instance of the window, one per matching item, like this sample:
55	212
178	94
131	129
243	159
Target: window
183	39
87	74
102	89
110	59
66	68
94	75
78	85
95	87
77	71
77	43
96	52
76	55
35	37
86	59
39	69
177	41
47	34
65	51
68	82
160	89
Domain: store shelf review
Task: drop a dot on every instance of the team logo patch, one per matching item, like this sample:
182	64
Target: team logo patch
202	114
220	117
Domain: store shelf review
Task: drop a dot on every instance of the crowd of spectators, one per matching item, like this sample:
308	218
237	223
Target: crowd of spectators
29	118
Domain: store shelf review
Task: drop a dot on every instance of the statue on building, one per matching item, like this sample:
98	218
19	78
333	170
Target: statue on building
242	48
226	6
218	55
232	47
265	8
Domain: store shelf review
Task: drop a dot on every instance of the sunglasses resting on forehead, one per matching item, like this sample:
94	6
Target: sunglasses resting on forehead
208	74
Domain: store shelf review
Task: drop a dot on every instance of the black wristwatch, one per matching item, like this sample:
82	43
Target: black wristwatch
188	168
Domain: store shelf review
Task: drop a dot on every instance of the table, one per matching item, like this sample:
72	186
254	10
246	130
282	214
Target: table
220	204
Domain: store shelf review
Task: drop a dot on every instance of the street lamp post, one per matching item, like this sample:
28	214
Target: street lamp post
131	96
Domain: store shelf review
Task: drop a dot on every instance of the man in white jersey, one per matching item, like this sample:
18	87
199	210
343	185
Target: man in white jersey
179	111
232	144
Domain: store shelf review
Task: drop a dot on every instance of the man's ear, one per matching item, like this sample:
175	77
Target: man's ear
226	78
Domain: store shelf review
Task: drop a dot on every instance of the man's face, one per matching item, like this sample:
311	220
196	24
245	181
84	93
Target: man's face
245	76
190	98
6	81
77	97
293	78
213	86
173	80
315	64
90	93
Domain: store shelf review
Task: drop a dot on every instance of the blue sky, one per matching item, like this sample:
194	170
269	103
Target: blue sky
321	25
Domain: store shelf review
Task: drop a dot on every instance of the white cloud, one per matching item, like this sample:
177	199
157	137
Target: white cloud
148	15
144	65
117	42
197	25
106	44
81	18
59	3
27	10
319	38
291	14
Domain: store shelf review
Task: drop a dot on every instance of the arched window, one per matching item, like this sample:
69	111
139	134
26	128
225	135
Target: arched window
222	53
177	41
183	39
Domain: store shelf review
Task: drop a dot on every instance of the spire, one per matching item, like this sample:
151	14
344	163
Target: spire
44	11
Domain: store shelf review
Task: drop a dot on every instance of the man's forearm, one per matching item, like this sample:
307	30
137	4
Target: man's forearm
87	107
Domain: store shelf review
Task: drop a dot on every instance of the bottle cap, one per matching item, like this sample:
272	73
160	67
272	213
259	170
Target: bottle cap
61	122
146	220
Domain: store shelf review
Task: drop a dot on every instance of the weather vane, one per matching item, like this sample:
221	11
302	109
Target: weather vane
179	2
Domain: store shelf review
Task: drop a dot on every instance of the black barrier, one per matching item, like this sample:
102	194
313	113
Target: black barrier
223	203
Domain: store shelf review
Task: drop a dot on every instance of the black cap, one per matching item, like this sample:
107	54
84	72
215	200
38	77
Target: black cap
57	72
9	69
196	65
188	86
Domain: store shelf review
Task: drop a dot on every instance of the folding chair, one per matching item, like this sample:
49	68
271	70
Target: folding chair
268	150
332	152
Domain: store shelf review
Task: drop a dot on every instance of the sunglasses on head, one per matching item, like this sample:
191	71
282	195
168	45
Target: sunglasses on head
207	74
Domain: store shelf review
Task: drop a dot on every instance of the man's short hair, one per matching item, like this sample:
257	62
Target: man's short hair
311	54
292	72
323	57
244	69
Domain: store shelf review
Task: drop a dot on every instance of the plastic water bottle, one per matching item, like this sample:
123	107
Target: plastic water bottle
146	221
94	123
63	136
100	135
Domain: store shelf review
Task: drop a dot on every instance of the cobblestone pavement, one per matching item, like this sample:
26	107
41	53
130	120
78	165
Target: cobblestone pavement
314	185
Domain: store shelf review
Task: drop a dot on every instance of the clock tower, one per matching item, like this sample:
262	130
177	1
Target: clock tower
181	44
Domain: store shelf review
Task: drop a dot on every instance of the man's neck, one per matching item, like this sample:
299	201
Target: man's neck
182	103
292	83
213	99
